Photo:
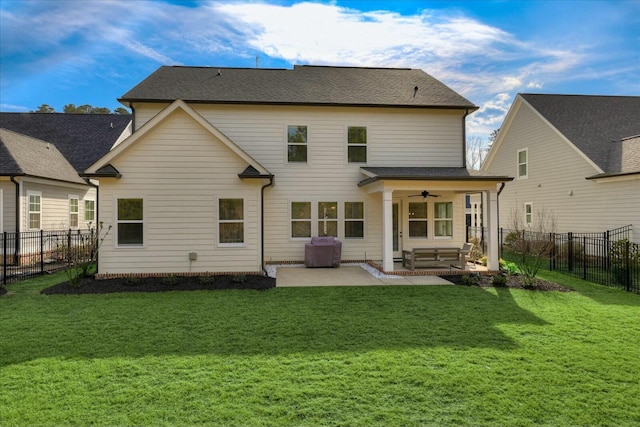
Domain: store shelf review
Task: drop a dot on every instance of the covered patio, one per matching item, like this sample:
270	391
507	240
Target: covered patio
425	207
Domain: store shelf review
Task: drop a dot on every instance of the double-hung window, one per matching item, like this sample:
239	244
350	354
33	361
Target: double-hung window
35	210
443	219
296	144
328	219
89	210
418	220
130	222
523	164
231	221
357	144
300	219
354	220
74	211
528	214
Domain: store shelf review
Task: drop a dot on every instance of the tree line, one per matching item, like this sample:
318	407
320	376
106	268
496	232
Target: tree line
81	109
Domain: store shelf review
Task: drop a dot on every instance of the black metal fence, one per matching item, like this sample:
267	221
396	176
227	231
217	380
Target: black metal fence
33	253
608	258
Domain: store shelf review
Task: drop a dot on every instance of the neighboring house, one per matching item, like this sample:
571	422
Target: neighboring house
576	159
228	169
41	156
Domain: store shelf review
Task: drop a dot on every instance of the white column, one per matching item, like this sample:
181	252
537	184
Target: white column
493	260
387	230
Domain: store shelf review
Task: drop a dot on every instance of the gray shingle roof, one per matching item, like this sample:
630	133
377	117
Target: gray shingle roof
302	85
23	155
596	125
428	173
81	138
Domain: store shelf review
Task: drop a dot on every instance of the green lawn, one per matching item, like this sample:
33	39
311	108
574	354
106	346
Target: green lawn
388	356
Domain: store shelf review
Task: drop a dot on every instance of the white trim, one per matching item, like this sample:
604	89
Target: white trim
28	209
287	143
526	163
117	222
77	198
84	210
233	221
528	214
291	219
365	145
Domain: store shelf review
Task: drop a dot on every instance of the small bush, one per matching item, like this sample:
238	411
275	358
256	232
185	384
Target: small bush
483	261
499	280
207	280
132	281
239	278
469	280
170	280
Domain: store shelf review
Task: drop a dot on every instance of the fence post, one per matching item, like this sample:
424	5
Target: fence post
570	251
627	257
584	257
4	258
69	247
41	252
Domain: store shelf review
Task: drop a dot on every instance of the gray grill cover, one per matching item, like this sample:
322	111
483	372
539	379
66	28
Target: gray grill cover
323	251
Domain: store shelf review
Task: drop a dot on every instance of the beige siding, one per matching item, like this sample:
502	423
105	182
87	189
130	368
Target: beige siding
180	170
556	181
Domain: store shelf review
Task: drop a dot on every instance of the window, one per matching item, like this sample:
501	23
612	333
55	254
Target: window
418	220
35	210
328	219
357	145
297	144
523	161
353	220
231	221
89	210
300	219
74	211
443	219
528	214
130	222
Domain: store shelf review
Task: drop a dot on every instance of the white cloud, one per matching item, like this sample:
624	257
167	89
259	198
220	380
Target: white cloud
17	108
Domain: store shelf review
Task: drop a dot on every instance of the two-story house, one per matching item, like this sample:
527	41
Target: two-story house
575	159
228	169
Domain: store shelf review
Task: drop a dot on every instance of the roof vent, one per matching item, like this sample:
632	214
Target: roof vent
415	90
219	72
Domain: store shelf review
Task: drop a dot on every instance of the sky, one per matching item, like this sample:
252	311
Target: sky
93	51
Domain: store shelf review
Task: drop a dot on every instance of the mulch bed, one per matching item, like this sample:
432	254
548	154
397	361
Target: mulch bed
513	281
89	285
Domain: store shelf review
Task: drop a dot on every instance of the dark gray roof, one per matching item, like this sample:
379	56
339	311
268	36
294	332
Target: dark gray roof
428	174
596	125
303	85
23	155
81	138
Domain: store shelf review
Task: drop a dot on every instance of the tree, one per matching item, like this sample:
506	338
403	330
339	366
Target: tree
121	110
44	108
493	136
476	152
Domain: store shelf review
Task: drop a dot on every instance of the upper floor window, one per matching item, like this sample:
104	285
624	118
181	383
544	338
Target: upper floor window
418	220
357	144
35	210
296	144
130	222
74	211
231	221
523	164
443	219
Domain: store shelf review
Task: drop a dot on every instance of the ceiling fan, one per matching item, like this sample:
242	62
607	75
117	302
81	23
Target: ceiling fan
425	194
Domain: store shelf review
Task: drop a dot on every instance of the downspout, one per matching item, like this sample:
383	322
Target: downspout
464	137
264	270
502	185
17	245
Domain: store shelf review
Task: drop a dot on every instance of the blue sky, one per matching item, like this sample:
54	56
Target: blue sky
93	51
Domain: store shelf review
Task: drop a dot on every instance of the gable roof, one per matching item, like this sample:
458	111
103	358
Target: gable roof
102	167
599	126
81	138
303	85
25	156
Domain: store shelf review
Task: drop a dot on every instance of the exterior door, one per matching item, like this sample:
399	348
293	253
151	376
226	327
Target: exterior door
397	229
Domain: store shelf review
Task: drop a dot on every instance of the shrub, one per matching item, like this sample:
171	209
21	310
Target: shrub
483	261
206	280
469	280
81	251
132	281
239	278
499	280
170	280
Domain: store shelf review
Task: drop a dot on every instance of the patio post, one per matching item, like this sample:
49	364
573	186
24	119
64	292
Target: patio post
387	230
493	259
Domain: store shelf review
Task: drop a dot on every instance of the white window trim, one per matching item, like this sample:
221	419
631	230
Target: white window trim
453	206
427	219
530	222
347	145
286	145
525	176
143	222
84	211
29	194
312	220
345	220
74	197
226	221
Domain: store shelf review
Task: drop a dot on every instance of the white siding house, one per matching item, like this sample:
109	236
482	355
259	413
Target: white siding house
244	169
574	157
